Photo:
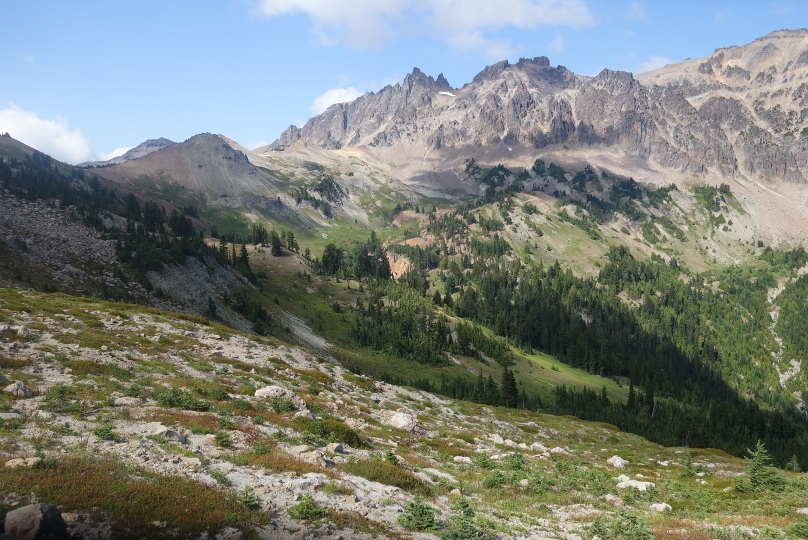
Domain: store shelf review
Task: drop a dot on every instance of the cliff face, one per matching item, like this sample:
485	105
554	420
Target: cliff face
740	113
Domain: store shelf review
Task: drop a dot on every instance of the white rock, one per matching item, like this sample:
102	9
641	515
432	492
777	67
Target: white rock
17	389
660	507
30	462
538	447
617	462
280	392
803	511
10	416
508	442
403	420
23	331
642	486
462	459
496	439
559	451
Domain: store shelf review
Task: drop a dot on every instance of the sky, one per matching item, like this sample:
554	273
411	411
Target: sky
86	80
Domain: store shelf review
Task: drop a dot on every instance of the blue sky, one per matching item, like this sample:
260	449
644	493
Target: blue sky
82	79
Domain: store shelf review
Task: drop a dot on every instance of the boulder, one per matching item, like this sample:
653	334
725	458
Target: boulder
538	447
403	420
496	438
18	389
316	458
170	435
462	459
23	332
273	391
335	448
616	462
642	486
660	507
29	462
10	416
40	521
559	451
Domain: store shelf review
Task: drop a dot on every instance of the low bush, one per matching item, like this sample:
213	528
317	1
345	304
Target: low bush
307	509
179	399
385	473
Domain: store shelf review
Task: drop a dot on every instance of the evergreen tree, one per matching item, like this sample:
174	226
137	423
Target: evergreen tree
510	393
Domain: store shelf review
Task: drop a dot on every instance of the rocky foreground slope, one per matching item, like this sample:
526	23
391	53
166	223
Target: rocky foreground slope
142	423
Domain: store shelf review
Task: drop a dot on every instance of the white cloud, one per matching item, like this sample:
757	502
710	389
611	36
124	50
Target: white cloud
557	44
464	24
104	156
654	62
53	137
636	11
335	95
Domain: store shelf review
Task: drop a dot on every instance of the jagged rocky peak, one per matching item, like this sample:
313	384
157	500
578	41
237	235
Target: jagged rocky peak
418	77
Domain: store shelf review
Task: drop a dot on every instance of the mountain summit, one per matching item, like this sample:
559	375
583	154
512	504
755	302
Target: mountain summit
741	113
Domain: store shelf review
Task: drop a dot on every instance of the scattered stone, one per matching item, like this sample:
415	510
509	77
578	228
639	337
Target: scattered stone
640	485
10	416
462	459
70	517
29	462
803	511
496	439
335	448
317	458
559	451
613	500
304	414
23	332
455	492
18	389
538	447
660	507
273	391
36	522
403	420
170	435
616	462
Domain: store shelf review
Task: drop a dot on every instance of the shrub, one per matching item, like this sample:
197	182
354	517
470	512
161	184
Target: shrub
223	439
281	405
482	461
385	473
62	398
622	525
514	462
105	433
247	498
417	516
242	404
179	399
307	509
495	479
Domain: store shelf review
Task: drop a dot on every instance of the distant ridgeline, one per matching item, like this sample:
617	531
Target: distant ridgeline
679	347
150	237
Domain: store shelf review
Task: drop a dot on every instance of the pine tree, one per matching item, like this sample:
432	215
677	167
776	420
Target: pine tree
510	393
632	397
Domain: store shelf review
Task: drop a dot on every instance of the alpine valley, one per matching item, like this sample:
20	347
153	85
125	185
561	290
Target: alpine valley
539	305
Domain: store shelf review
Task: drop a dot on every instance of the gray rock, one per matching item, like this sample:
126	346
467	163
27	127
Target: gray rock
10	416
23	331
18	389
170	435
36	522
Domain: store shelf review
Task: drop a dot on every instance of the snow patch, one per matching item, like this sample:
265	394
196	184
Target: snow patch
446	94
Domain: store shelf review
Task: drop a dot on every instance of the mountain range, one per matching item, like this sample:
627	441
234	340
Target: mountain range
489	295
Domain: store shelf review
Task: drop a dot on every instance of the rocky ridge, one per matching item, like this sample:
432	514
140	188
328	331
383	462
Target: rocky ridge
739	114
143	149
